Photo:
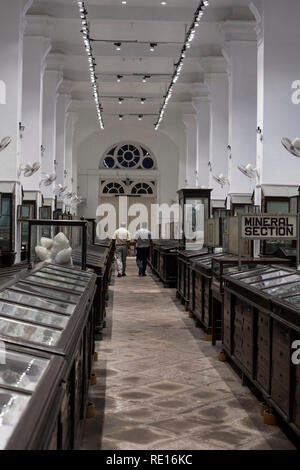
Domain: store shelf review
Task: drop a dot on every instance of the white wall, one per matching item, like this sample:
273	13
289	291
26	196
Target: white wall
91	143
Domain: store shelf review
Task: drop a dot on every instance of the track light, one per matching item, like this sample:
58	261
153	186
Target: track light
119	78
146	77
121	100
120	117
92	61
140	117
178	67
118	46
143	100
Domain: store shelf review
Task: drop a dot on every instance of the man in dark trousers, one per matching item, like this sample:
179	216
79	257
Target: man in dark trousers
143	241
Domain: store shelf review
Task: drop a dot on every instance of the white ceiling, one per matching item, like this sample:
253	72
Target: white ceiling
142	20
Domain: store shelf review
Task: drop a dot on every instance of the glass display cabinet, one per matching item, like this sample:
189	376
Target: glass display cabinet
194	210
164	260
56	241
91	231
45	213
26	212
53	319
184	278
25	376
261	322
7	253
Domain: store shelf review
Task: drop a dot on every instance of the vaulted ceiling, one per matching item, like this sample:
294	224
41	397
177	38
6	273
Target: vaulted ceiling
145	21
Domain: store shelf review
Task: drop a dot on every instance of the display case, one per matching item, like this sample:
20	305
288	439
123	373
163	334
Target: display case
98	258
184	277
45	213
260	326
54	320
91	231
67	237
164	256
7	253
194	210
27	406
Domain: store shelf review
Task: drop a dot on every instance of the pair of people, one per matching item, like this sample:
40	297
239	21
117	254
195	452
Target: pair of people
143	242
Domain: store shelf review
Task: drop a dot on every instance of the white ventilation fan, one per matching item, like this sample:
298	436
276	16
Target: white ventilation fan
248	171
69	195
29	169
5	143
221	180
60	189
48	179
292	146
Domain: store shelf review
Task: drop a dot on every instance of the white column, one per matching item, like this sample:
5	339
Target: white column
278	106
201	104
35	50
63	103
52	80
191	175
240	51
217	82
70	167
11	59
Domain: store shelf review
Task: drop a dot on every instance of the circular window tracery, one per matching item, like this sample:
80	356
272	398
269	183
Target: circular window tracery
142	188
128	155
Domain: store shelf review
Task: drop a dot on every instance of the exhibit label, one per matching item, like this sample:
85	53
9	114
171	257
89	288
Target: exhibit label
263	226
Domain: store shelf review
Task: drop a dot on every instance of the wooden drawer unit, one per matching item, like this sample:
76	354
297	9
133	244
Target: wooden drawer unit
227	321
243	334
198	296
281	358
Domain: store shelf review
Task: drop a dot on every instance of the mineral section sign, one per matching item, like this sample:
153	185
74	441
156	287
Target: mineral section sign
266	226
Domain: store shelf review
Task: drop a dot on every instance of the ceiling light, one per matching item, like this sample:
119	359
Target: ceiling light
118	46
140	117
163	3
146	77
119	78
143	100
120	117
121	100
124	2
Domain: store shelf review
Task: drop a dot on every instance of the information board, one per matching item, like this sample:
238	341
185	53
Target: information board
268	227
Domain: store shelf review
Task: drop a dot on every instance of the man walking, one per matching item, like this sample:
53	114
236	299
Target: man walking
143	241
122	238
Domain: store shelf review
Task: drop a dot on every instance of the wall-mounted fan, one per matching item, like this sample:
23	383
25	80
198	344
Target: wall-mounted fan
221	180
5	143
48	179
60	189
248	171
69	195
292	146
29	169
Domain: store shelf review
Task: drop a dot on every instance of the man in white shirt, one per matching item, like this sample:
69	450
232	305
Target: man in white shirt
122	238
143	241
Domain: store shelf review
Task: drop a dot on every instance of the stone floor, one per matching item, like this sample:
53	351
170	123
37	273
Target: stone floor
160	385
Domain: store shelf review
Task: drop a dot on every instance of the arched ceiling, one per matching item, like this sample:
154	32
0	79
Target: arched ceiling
144	21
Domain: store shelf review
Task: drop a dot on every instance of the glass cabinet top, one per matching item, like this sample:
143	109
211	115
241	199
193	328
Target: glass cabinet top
266	275
56	267
21	370
50	282
276	282
293	300
28	332
33	315
72	276
285	289
56	277
12	406
43	291
253	272
54	305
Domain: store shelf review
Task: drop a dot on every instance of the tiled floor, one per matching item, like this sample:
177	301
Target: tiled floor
161	386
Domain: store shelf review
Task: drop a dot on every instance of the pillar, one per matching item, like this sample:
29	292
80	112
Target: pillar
240	51
201	104
191	171
278	69
216	79
35	49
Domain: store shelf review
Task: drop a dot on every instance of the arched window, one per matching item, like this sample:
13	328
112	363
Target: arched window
113	188
142	188
127	155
